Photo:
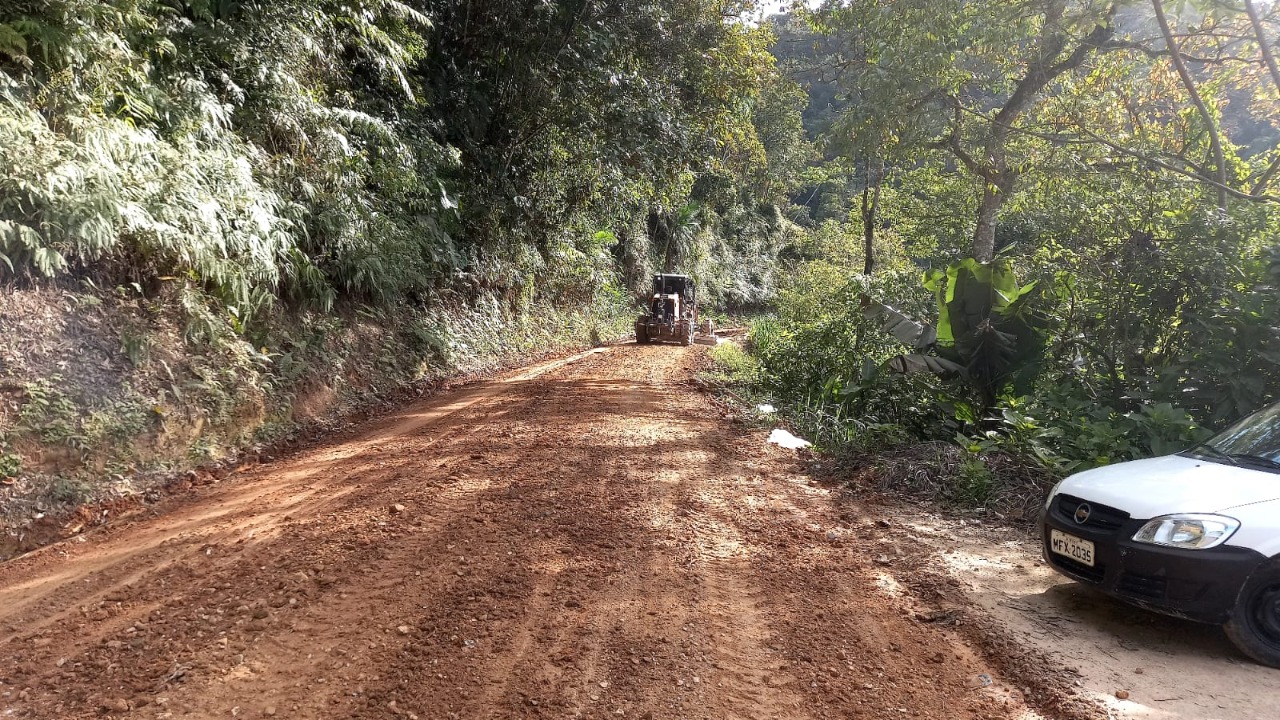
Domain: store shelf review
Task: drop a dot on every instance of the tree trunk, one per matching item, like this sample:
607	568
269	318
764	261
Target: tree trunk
1048	65
997	186
984	236
870	208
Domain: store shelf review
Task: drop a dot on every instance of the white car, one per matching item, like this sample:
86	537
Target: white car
1195	535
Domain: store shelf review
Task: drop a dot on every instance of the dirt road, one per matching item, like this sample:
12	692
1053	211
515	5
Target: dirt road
587	538
1166	668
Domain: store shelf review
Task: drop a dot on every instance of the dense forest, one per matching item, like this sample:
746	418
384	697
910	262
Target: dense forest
1047	233
1042	233
233	211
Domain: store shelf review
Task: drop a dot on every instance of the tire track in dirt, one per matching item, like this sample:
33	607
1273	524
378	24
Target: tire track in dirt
98	586
586	539
259	503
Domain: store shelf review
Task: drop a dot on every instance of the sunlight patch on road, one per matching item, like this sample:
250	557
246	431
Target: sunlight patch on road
466	485
714	537
970	562
545	368
889	585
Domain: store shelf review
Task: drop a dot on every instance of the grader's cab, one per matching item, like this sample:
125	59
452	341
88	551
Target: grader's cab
673	311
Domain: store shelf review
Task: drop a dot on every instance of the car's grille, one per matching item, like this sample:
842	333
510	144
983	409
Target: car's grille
1143	586
1078	569
1101	517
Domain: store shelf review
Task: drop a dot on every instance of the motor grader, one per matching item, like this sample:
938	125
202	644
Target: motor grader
673	311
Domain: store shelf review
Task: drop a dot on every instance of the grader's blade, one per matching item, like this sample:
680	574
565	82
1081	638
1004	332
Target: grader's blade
706	334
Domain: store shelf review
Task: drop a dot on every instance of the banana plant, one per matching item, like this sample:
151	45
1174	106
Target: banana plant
987	332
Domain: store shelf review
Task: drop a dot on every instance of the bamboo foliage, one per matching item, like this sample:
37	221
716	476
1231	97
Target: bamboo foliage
75	197
380	150
218	138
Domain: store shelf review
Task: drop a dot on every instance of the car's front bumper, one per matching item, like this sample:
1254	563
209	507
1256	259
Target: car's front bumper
1199	585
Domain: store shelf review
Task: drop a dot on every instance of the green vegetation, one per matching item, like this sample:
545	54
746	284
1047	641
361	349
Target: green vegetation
10	463
376	151
734	365
1045	234
240	215
1041	234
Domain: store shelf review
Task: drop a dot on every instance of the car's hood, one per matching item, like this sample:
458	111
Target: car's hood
1173	484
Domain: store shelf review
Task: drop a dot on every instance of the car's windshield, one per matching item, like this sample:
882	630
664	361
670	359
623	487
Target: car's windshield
1255	438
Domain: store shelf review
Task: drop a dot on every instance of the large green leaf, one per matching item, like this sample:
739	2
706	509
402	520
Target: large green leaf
987	331
917	363
12	43
908	331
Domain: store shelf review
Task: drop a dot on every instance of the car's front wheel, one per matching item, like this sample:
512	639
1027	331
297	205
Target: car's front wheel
1254	626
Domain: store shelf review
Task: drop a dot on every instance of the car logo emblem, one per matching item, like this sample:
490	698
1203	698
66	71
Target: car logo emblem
1082	513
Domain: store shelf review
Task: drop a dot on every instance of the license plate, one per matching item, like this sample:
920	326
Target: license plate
1077	549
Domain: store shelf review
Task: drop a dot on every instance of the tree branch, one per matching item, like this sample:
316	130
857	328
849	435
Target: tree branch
1270	59
952	142
1221	188
1265	179
1154	53
1215	140
1196	173
1039	74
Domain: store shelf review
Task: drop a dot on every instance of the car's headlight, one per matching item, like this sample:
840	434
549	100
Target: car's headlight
1053	493
1194	532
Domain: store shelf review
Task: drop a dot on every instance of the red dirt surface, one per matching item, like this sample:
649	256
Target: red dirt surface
587	538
